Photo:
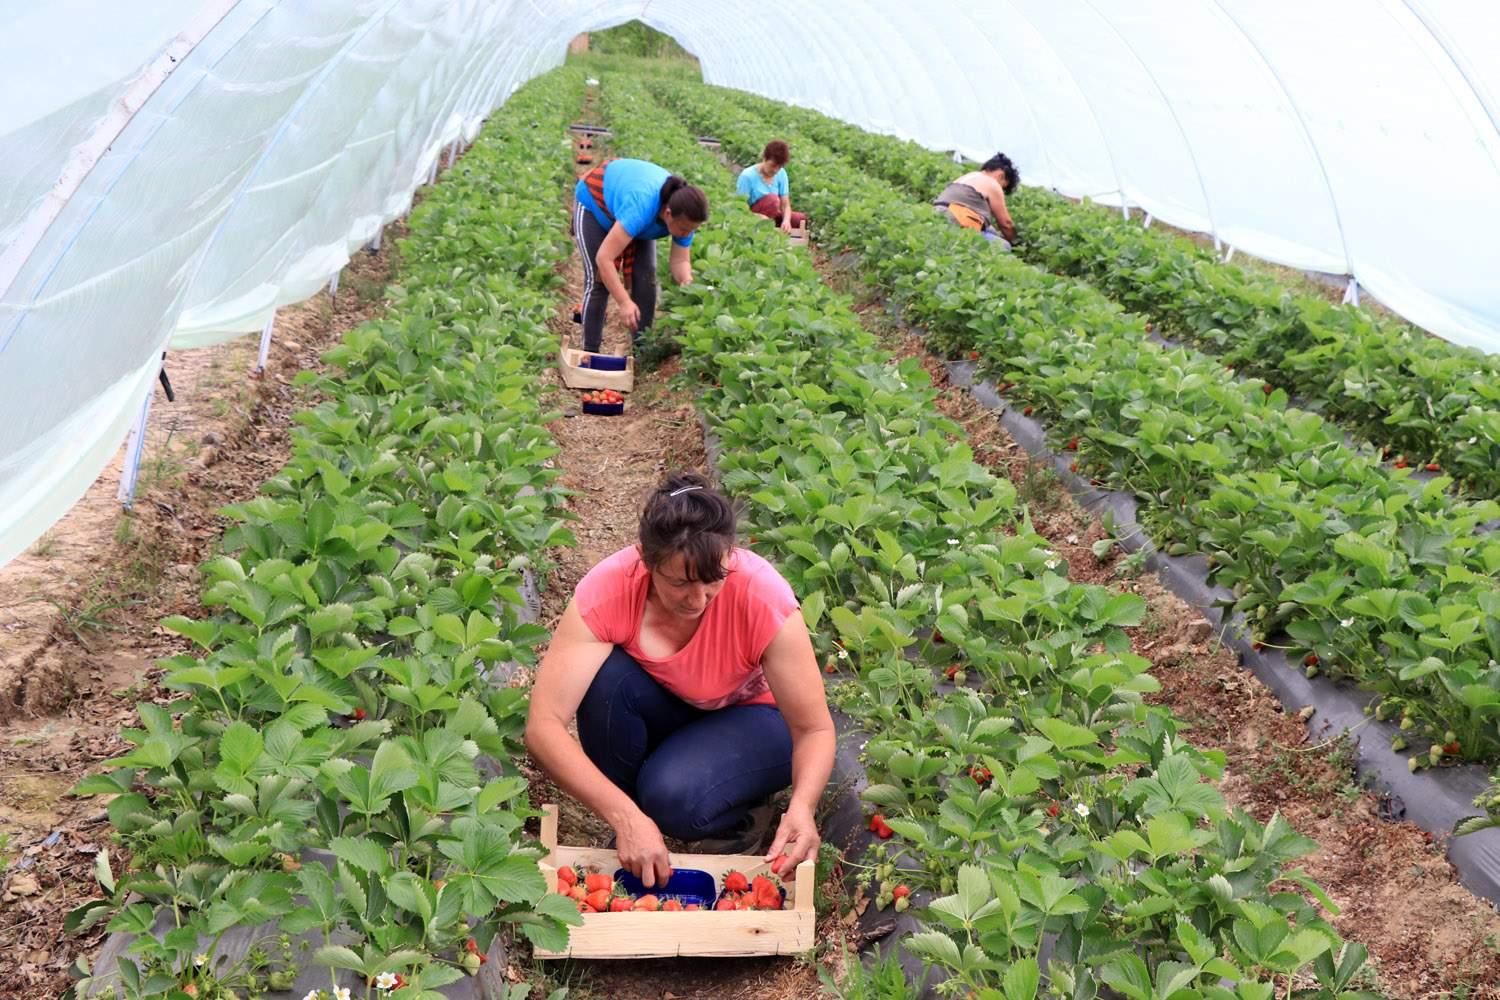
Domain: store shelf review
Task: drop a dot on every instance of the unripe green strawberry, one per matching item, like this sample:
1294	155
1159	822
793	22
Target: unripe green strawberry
902	904
1450	736
961	678
1413	763
281	980
1407	722
470	961
1398	743
1311	672
1435	752
1382	711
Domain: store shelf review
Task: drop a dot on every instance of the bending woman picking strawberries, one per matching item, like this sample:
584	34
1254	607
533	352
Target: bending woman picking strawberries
690	671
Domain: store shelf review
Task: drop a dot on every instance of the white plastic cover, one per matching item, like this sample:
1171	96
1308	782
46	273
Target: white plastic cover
172	172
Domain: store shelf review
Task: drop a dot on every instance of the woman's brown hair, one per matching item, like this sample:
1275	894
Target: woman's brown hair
685	201
687	514
777	152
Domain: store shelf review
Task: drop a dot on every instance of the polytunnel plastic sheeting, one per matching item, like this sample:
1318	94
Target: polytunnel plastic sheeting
171	177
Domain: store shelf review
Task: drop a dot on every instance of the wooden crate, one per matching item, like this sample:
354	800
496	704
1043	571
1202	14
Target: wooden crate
576	377
799	235
668	935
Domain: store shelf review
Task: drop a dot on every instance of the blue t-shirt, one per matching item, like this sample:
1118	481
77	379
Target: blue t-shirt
753	184
632	193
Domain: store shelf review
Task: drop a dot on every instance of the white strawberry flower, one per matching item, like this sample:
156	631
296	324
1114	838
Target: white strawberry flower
1346	622
311	995
1082	810
341	993
385	981
953	541
200	960
843	654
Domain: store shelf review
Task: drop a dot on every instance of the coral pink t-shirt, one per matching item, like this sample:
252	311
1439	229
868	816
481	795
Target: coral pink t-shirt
720	665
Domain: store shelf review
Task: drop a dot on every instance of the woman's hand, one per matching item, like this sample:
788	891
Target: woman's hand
642	851
630	313
786	225
796	837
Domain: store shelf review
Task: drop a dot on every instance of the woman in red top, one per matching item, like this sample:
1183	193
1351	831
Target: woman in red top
690	671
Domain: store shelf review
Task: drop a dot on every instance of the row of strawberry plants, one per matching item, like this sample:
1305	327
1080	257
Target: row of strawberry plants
1037	795
339	763
1434	402
1372	576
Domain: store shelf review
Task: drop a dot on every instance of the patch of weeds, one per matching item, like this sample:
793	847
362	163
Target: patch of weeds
883	980
44	547
366	290
1039	486
654	347
90	614
557	980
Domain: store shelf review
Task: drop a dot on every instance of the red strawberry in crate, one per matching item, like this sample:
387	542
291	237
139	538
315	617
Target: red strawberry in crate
736	882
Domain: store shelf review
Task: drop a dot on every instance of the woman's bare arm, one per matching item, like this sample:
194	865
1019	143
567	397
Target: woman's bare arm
791	668
572	661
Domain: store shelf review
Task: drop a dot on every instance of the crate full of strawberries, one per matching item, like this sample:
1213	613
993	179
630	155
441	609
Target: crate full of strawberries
712	905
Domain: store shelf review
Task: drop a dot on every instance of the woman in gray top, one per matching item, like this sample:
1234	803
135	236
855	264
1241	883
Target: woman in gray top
977	199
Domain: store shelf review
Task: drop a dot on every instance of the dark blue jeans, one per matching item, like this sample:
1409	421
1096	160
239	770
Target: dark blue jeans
695	773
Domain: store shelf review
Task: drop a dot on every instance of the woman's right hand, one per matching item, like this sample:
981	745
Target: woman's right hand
642	850
631	314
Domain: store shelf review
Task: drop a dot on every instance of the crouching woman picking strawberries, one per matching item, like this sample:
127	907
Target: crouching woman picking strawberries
689	669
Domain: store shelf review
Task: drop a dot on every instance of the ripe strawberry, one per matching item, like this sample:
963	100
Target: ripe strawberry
1311	659
598	900
900	892
620	904
1267	389
937	636
1434	467
471	945
649	902
672	905
598	881
692	906
829	668
981	775
765	894
567	876
577	892
1072	444
883	831
1027	412
735	882
1451	748
951	672
359	715
973	355
744	903
1402	463
1073	467
1053	809
778	864
583	907
1257	646
726	902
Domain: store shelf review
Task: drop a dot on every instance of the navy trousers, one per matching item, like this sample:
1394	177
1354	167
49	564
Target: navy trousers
696	773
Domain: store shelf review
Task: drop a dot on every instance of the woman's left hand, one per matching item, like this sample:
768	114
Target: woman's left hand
797	838
786	225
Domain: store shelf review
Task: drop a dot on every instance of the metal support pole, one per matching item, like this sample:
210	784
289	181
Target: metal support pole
1217	245
453	153
135	446
1351	292
1146	223
375	243
432	174
333	285
265	344
1230	255
1124	207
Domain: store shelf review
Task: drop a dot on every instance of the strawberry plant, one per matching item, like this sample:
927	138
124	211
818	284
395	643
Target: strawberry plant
1219	466
339	765
1093	825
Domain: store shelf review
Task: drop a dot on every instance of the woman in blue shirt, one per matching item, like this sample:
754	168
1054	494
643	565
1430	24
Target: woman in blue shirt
623	207
764	187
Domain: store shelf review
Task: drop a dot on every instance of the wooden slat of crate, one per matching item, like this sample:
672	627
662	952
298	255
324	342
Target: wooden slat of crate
668	935
575	377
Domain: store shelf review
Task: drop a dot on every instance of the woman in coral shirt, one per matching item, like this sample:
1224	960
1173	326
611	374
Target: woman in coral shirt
690	671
